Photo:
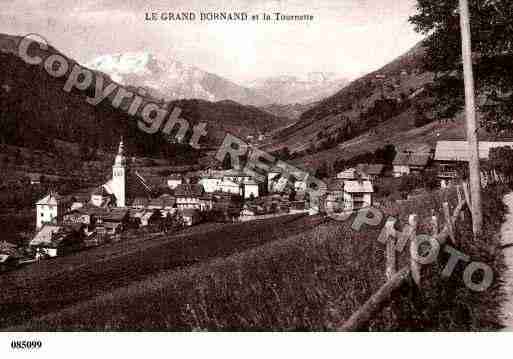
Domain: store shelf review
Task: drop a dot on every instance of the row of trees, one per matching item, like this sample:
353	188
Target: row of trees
492	33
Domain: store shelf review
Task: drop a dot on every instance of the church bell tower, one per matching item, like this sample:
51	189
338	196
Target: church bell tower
119	177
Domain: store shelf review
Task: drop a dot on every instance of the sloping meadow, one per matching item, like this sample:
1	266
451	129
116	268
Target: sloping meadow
311	281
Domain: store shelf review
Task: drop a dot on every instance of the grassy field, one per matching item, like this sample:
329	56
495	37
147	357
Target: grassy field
51	285
290	273
306	281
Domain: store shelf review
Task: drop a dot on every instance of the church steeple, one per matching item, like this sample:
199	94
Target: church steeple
120	157
119	176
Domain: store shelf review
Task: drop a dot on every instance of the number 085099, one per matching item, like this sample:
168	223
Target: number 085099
26	344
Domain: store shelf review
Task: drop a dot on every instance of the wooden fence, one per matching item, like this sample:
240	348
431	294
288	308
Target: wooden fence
411	272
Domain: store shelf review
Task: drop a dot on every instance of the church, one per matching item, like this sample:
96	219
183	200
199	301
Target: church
119	191
113	192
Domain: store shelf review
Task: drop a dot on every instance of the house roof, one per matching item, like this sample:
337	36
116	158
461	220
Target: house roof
8	248
140	202
227	182
73	227
358	187
163	201
412	159
90	210
250	182
336	184
52	199
115	215
458	150
212	174
175	176
419	147
352	173
371	169
111	225
44	236
234	173
189	190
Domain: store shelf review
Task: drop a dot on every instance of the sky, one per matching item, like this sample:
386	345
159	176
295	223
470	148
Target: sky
347	37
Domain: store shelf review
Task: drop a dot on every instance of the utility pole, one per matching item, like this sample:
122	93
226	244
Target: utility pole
470	109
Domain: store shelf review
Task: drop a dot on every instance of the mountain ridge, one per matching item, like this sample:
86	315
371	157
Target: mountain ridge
35	110
171	80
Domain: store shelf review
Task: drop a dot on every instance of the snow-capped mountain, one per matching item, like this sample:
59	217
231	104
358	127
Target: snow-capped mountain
170	79
309	88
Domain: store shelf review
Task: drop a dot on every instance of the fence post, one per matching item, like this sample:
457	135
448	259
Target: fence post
448	222
460	199
391	259
467	195
414	266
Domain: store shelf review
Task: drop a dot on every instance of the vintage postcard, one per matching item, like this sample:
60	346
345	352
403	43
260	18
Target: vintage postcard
237	165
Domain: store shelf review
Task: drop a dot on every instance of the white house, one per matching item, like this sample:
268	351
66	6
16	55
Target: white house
334	200
174	180
100	197
278	180
190	216
235	176
211	182
343	195
450	154
189	196
229	186
165	204
358	194
410	162
250	189
224	181
43	240
50	209
273	175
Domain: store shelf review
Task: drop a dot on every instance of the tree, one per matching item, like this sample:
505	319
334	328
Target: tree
322	171
420	118
385	155
227	162
427	180
501	160
410	182
492	34
284	154
292	195
430	179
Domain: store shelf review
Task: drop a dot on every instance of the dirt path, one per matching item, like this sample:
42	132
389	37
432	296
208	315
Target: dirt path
507	239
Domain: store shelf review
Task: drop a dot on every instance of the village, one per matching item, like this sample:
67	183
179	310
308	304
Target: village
134	204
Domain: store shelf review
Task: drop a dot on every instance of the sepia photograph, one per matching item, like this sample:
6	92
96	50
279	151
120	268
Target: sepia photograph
255	166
